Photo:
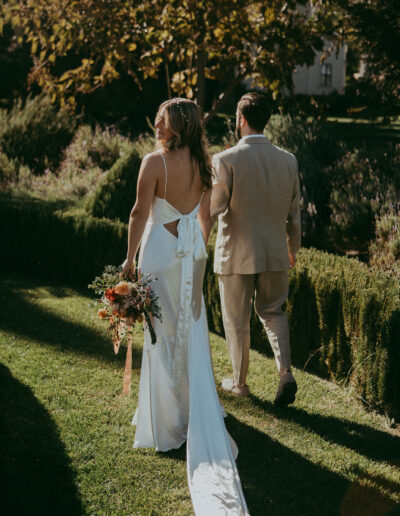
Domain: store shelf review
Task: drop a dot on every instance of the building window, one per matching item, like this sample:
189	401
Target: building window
326	74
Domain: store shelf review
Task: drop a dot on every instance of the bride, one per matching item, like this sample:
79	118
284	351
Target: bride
178	400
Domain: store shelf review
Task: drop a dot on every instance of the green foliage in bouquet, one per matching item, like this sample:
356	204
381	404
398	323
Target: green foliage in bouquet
115	196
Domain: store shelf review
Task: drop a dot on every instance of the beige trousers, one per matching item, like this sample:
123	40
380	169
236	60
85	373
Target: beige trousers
270	290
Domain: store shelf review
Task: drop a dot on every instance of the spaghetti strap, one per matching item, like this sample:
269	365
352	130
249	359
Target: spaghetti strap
204	191
165	169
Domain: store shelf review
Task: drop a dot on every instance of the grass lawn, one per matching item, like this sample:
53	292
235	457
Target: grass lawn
362	133
66	433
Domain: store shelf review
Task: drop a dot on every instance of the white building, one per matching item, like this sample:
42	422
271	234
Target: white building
324	77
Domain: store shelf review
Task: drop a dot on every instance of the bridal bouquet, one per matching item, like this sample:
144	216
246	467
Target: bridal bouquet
126	300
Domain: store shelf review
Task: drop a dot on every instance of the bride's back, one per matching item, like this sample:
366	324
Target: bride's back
181	184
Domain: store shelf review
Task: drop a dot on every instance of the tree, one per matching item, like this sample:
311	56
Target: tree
78	46
374	29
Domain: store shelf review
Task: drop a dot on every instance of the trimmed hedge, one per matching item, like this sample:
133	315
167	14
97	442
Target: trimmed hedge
52	241
344	319
115	195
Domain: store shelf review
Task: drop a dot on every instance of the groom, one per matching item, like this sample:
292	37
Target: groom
257	198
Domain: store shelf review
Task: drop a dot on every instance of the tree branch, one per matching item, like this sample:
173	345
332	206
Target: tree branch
217	104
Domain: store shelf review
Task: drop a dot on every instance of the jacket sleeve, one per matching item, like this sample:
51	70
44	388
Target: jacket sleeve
222	187
293	225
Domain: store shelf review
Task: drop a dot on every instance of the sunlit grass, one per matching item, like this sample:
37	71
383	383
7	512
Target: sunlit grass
68	436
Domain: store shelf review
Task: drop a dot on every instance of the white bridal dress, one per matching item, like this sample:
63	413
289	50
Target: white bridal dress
177	396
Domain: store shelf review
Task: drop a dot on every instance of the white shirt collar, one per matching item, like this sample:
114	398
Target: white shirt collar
252	136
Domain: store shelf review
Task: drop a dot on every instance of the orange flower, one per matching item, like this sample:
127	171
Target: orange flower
122	289
111	294
102	313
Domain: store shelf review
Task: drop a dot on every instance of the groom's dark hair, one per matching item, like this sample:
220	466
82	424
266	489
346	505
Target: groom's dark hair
256	108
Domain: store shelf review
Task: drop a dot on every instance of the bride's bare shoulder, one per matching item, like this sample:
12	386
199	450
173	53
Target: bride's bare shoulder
152	161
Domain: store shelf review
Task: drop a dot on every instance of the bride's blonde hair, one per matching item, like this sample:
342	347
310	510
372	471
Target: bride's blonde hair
183	118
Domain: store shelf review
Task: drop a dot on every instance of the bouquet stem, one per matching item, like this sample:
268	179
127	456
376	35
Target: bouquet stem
151	329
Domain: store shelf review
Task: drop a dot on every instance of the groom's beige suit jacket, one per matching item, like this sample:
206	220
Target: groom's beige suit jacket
256	194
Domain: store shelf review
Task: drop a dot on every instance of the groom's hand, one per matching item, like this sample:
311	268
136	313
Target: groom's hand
292	259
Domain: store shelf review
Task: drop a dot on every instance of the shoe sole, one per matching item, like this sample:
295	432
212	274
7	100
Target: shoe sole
288	395
244	394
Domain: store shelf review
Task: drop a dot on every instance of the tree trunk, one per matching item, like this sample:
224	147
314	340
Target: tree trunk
168	79
217	104
201	78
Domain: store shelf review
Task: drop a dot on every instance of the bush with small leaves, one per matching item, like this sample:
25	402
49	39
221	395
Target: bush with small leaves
384	251
36	133
115	195
315	150
362	184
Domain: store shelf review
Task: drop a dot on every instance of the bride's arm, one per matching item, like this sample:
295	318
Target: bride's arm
204	215
146	187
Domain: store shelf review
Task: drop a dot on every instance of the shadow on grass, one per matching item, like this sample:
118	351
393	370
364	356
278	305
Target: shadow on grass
27	320
37	477
362	439
278	481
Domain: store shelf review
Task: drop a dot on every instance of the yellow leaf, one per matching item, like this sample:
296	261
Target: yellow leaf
274	85
132	47
34	47
189	92
42	55
218	33
52	58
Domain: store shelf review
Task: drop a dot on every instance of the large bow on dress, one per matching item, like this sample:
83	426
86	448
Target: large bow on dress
190	248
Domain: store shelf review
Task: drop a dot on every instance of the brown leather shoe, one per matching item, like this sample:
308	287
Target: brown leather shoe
238	390
286	392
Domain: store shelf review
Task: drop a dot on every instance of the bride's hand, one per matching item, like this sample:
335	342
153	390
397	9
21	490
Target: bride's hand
126	266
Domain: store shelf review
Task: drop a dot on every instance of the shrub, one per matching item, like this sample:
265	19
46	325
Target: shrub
95	148
68	183
385	249
115	195
8	170
51	240
36	133
362	184
80	171
315	150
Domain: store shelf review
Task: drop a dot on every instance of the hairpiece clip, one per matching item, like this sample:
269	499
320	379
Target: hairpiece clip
180	109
